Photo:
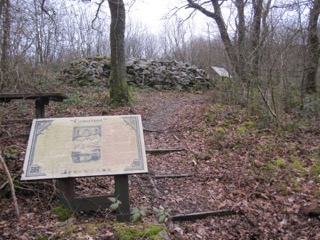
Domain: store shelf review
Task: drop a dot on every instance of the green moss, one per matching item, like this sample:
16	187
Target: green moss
220	130
246	128
242	130
210	117
74	100
315	168
218	106
291	127
158	87
139	232
98	58
62	213
68	231
91	228
280	163
268	167
298	166
119	92
265	147
42	238
78	230
248	124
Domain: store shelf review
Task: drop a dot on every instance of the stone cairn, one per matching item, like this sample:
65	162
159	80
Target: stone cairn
159	74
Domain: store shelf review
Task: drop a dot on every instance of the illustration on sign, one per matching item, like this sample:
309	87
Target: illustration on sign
89	146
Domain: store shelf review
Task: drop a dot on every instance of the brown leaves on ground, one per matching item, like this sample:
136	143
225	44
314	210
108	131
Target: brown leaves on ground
232	161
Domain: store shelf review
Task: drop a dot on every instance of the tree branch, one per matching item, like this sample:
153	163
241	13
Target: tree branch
97	13
192	4
43	9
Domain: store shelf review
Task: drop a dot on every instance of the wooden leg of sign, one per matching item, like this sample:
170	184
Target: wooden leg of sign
40	108
68	198
86	203
122	193
67	194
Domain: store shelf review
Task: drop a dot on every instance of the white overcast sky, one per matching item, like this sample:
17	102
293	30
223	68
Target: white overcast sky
151	12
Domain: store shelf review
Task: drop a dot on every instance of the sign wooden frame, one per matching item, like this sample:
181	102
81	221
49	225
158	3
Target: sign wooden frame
65	148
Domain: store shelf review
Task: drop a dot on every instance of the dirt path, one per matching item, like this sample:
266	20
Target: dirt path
166	108
167	121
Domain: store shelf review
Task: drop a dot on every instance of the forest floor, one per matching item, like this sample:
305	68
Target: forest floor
266	182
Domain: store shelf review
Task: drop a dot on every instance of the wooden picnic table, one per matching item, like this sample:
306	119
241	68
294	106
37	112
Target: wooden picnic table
41	99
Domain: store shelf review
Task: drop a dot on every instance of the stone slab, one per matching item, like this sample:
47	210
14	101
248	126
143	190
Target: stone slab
88	146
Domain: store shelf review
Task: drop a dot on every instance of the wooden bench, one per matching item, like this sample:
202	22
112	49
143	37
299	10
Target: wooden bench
41	99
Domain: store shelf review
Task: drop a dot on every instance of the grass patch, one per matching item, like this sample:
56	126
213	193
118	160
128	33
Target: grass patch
268	167
74	101
210	117
246	128
62	212
139	232
315	169
248	124
280	163
298	167
42	238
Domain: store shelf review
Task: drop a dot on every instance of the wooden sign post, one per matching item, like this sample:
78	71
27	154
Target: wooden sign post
66	148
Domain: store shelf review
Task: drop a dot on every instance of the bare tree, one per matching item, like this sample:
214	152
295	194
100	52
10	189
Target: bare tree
175	39
118	84
5	10
244	57
135	33
312	48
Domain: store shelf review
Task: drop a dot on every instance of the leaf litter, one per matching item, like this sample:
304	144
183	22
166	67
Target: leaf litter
271	180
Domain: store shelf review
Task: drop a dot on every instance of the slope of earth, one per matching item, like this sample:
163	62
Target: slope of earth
266	182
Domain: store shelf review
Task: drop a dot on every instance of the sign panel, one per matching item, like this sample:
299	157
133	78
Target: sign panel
88	146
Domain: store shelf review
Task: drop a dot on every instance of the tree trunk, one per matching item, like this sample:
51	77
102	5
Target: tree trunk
5	41
312	49
256	35
235	53
241	26
119	94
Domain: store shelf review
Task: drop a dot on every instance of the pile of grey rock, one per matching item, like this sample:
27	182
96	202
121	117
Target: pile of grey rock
159	74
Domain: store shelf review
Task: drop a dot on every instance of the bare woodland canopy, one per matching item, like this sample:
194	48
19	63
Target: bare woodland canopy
262	41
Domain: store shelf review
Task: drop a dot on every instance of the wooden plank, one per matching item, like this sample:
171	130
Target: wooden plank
122	194
7	97
87	203
201	215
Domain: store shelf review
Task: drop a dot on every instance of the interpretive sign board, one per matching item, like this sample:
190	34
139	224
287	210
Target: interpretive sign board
86	146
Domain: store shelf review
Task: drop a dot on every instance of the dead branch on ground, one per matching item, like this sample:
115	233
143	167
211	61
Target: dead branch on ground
201	215
159	151
13	193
